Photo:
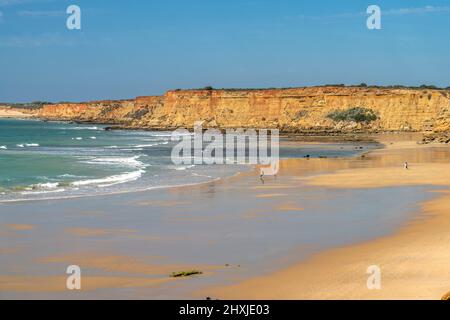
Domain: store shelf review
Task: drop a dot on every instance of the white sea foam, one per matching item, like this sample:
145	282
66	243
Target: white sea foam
111	180
123	161
67	175
93	138
79	128
3	148
182	168
132	149
145	145
23	145
48	185
150	145
170	134
42	192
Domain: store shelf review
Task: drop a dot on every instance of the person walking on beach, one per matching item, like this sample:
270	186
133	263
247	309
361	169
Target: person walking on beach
261	176
406	165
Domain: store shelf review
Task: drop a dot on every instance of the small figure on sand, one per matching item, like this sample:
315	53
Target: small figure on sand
406	165
261	176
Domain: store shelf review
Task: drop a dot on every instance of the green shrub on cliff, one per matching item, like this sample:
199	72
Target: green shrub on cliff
356	114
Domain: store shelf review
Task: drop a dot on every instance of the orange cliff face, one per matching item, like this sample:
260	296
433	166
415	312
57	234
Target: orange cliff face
291	110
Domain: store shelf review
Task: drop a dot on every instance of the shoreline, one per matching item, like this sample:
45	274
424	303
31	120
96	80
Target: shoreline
413	260
344	138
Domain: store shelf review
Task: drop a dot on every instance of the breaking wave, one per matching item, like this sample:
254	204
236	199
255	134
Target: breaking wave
24	145
111	180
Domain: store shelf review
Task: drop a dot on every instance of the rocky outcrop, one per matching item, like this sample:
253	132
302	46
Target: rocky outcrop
291	110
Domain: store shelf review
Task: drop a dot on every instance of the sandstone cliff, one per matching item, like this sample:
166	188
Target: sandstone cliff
291	110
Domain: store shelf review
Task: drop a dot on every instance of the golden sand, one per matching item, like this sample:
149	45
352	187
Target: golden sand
270	195
414	262
97	232
123	264
288	207
88	283
8	113
123	272
20	227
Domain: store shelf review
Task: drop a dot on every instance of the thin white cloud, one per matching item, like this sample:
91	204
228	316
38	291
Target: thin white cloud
43	40
37	14
422	10
4	3
400	11
50	40
332	16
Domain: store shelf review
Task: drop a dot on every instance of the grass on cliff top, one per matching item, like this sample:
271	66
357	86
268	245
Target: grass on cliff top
362	85
356	114
188	273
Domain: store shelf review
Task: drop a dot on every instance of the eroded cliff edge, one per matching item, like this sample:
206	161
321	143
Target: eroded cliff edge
290	110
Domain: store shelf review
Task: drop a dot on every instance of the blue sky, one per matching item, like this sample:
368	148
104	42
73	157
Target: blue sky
137	47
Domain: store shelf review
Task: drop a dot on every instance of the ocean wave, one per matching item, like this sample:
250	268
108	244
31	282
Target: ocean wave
86	128
176	134
145	145
79	128
47	185
111	180
130	177
67	175
36	192
181	168
132	149
123	161
150	145
23	145
3	148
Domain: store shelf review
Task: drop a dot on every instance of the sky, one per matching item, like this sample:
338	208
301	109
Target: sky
131	48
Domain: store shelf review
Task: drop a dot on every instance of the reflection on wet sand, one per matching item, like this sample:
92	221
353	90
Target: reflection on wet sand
20	227
414	262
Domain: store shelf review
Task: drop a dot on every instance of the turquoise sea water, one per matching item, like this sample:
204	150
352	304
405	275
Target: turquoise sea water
41	160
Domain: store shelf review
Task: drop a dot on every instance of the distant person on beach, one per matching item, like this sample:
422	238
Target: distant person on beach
406	165
261	176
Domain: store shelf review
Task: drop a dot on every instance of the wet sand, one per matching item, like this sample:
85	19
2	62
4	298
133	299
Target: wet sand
240	233
414	262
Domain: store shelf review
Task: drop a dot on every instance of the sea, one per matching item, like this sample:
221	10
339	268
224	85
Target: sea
51	160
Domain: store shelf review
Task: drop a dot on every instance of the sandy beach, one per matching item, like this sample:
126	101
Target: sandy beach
10	113
311	233
414	261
